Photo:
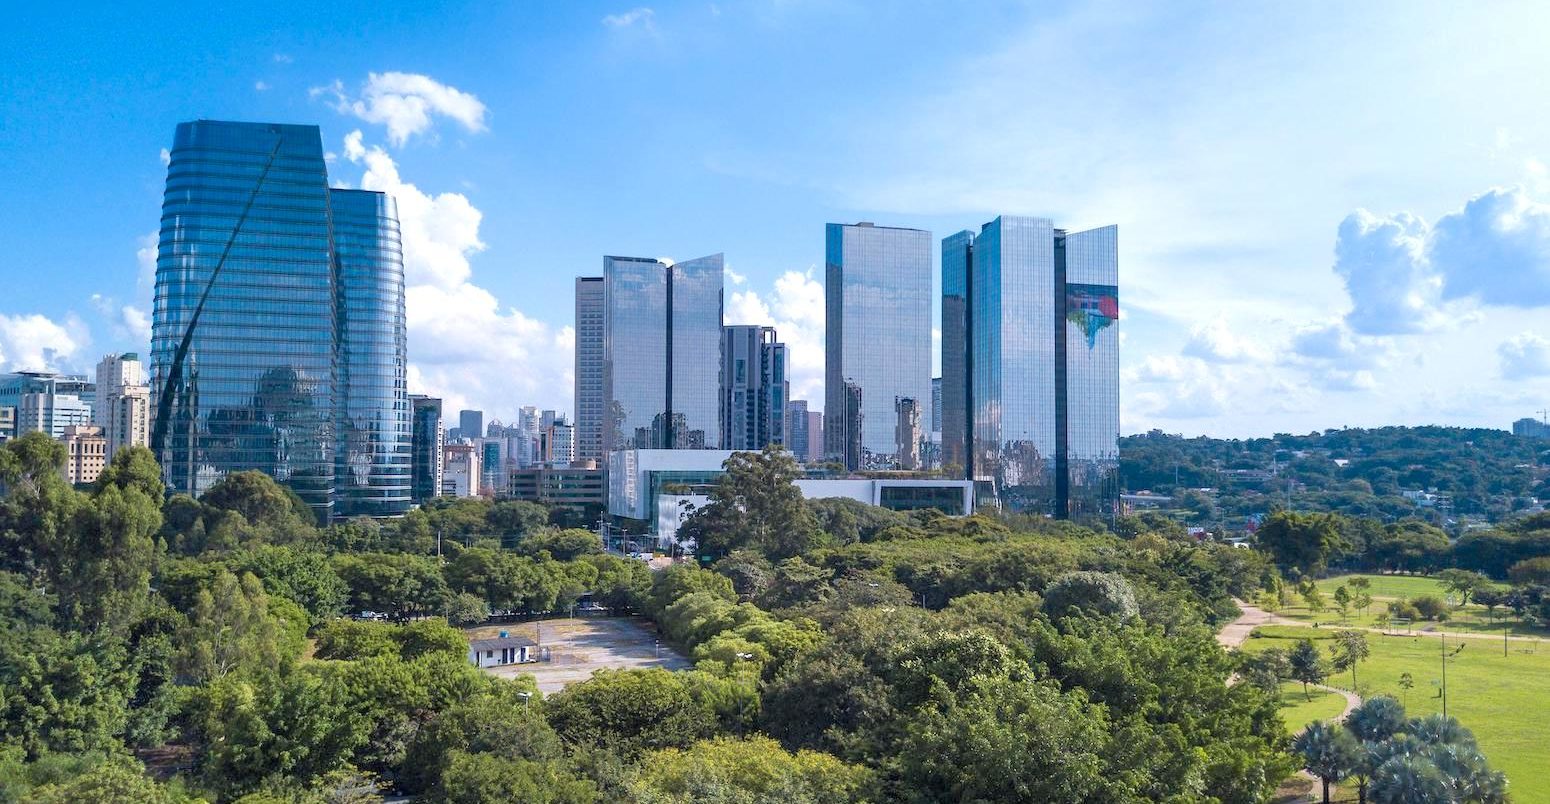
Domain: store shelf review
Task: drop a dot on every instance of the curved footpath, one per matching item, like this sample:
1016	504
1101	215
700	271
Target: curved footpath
1235	633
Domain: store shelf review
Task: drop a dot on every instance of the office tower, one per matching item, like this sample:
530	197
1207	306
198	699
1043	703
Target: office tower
462	475
590	329
843	428
906	433
470	424
878	300
797	434
1030	365
753	388
562	443
814	435
936	404
123	408
492	461
85	453
662	353
46	402
277	337
427	447
7	424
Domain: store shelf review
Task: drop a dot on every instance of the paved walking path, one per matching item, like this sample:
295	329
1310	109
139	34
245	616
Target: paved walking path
1235	633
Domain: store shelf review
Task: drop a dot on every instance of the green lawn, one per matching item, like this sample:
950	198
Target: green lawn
1299	710
1505	700
1388	587
1471	619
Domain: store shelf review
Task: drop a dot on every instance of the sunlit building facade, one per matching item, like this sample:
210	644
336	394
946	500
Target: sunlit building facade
590	404
878	337
1030	365
662	353
278	336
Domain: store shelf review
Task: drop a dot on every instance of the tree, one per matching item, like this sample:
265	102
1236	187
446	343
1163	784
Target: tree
1300	542
484	778
259	499
562	545
1406	683
516	518
755	504
1311	595
727	771
1409	779
1351	649
303	576
1328	752
1307	665
230	629
464	609
1093	593
393	583
629	711
1343	600
1463	583
105	579
1530	572
1490	598
1376	719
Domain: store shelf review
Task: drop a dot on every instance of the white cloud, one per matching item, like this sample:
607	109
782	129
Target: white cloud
136	322
464	345
733	276
260	86
642	16
38	342
166	157
796	309
1496	249
440	232
283	58
406	104
1525	356
1383	263
1215	342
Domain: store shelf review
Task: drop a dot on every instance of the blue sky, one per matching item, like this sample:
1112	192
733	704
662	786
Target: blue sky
1329	215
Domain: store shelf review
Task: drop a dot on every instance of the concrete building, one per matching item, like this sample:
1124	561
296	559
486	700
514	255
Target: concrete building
1531	428
46	402
560	443
579	485
797	437
427	445
754	388
502	650
907	435
660	488
815	434
123	408
462	473
86	453
7	424
591	311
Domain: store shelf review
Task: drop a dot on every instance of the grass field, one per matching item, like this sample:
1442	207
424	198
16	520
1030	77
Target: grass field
1299	710
1505	700
1471	619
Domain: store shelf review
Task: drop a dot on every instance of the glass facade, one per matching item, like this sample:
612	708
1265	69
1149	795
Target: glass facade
589	367
427	442
753	388
251	292
1037	393
662	353
1092	372
374	452
954	385
878	336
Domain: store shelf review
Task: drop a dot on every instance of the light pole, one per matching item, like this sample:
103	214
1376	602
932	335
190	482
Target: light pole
526	699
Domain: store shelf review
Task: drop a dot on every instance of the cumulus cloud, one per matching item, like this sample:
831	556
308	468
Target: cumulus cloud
795	307
260	86
1177	387
644	17
38	342
440	231
1525	356
464	344
1383	263
1399	272
733	276
407	103
1215	342
166	157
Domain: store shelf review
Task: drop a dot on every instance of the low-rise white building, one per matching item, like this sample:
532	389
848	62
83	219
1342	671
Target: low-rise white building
502	650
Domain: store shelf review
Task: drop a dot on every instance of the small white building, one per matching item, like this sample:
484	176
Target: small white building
502	650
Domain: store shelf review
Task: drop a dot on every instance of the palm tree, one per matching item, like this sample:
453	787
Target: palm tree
1376	719
1409	779
1328	752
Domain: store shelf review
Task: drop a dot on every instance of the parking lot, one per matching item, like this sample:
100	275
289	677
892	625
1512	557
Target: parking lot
576	647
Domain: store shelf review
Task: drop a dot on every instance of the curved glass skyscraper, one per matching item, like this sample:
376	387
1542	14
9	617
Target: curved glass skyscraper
275	339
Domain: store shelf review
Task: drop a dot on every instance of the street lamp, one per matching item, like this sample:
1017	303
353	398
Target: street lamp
526	698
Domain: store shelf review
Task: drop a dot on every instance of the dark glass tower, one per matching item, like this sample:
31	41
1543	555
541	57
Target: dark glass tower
427	440
251	366
374	454
590	314
753	388
662	353
1030	365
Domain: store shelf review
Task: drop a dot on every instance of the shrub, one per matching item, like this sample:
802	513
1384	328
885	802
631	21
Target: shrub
1431	607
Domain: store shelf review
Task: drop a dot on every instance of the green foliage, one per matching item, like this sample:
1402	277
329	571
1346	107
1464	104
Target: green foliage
733	771
684	579
258	499
302	576
392	583
755	505
1100	594
484	778
230	631
629	712
1300	543
1307	664
1328	752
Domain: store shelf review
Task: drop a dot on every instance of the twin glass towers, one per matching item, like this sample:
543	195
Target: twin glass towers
278	339
1030	357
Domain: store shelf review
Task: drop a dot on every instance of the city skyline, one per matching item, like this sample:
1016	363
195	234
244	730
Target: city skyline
1269	286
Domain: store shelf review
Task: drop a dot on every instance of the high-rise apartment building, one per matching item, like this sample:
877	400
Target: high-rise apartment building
123	408
427	445
878	303
462	474
7	424
754	388
797	435
662	353
907	435
86	453
1030	365
591	312
814	435
470	424
278	334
